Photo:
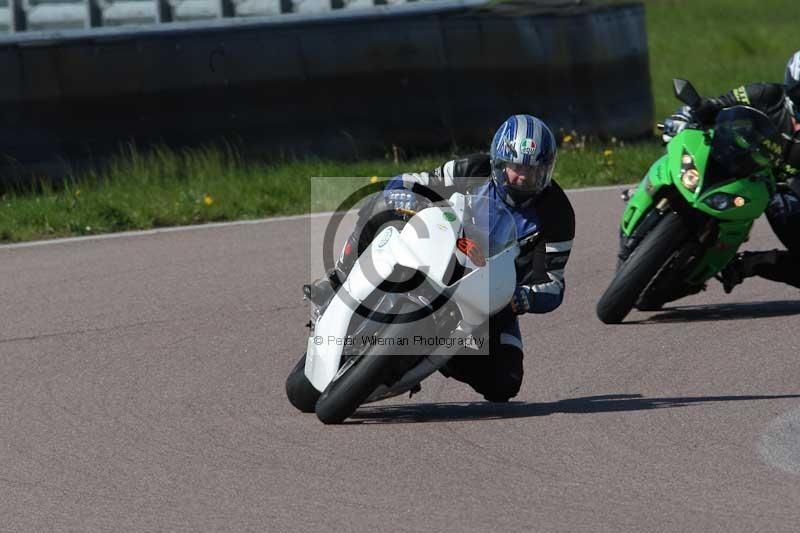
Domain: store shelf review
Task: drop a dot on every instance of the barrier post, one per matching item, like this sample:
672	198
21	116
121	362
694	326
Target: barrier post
226	8
164	11
94	14
19	17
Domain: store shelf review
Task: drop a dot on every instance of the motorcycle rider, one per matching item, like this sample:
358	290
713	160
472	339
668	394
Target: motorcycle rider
518	171
781	103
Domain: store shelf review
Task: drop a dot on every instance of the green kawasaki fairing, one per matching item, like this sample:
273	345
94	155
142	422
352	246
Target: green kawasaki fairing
734	221
693	209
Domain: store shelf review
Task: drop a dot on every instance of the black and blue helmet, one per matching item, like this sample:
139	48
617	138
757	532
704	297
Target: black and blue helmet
527	146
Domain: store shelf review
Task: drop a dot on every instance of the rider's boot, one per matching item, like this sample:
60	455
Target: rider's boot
321	291
744	265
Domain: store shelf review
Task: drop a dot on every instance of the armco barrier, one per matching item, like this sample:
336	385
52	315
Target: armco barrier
420	76
42	15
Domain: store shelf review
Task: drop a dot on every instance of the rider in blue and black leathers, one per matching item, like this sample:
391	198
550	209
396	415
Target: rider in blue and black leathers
518	171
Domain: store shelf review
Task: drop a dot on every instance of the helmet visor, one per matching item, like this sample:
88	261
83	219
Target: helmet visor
526	178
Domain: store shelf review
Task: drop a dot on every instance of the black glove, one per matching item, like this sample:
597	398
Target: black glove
523	300
706	110
676	122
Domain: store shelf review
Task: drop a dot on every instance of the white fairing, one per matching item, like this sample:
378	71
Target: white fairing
426	243
498	279
324	349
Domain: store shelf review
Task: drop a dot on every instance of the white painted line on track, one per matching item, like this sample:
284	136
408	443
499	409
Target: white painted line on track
601	188
157	231
174	229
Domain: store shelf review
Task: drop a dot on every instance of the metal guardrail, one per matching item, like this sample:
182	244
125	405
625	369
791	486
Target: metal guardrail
17	16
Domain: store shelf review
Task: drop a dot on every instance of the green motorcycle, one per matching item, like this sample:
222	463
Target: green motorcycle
693	209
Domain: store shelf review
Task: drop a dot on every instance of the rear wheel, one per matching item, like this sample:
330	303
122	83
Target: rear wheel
640	268
299	390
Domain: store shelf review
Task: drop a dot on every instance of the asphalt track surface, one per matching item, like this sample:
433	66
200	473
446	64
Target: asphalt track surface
142	388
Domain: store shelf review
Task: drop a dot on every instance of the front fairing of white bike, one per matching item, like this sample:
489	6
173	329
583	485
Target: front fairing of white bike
325	345
426	244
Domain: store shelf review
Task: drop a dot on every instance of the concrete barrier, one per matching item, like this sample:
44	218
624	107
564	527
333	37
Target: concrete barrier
419	76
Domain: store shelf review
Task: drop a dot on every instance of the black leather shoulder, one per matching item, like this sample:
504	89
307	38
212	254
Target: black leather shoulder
472	166
556	216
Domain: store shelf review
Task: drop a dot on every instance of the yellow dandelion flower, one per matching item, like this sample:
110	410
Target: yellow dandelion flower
208	200
373	179
77	192
567	138
608	153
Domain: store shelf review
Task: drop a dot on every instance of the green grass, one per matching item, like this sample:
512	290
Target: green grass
717	44
167	188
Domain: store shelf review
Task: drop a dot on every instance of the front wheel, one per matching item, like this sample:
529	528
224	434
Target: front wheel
640	268
360	376
299	390
344	395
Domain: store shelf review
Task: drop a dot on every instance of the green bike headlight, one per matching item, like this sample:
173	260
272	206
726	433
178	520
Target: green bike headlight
690	176
722	201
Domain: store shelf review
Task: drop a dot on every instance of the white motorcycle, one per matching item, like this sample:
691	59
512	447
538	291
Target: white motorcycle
414	298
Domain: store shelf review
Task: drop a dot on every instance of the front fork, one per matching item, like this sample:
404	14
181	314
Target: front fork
629	243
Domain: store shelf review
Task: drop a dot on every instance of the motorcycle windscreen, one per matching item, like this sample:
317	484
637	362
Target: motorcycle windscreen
745	143
488	224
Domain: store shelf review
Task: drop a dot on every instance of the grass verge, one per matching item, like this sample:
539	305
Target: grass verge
717	44
168	188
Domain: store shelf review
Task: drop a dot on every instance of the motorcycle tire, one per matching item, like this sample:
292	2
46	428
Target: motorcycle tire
639	269
299	390
345	394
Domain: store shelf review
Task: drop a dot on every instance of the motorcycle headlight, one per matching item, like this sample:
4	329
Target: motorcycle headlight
722	201
690	177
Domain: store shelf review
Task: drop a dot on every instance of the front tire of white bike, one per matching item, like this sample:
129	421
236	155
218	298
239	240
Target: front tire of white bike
381	364
343	396
299	390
